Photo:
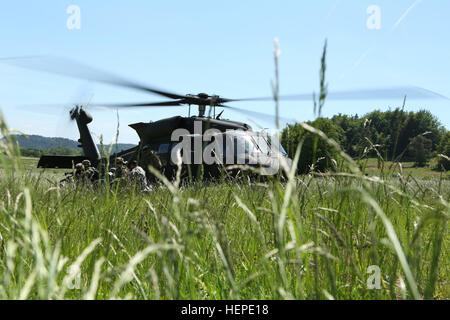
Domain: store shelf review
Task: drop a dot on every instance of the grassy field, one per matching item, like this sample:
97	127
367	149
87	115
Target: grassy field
375	167
309	237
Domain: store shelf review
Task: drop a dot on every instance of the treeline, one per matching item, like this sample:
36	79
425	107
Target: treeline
44	143
394	135
49	143
58	151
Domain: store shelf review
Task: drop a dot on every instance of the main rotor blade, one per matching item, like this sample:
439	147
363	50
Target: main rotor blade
71	68
99	106
257	115
364	94
134	105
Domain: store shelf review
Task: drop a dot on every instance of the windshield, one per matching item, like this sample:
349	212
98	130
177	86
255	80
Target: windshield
243	144
273	140
262	144
239	143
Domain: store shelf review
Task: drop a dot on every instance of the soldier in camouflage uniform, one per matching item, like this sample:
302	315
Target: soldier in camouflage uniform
91	174
121	173
153	160
79	173
137	176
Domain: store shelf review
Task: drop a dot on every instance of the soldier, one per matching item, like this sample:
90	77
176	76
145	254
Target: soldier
121	172
91	174
112	173
138	176
154	160
79	173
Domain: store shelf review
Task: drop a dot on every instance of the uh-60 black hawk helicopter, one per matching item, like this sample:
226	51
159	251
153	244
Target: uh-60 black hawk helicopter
158	148
239	144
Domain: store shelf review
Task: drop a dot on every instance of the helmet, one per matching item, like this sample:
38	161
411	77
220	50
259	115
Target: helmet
86	163
79	166
120	160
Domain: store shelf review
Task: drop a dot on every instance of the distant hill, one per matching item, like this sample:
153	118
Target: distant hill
44	143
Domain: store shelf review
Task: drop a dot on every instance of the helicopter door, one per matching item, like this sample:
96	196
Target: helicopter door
163	153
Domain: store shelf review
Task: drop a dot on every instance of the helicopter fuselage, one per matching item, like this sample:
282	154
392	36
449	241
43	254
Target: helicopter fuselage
159	140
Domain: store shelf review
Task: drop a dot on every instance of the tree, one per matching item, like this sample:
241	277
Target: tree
353	133
444	149
67	151
321	159
30	152
420	149
395	132
418	123
58	151
392	130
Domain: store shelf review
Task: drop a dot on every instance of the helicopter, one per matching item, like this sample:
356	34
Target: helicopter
240	146
233	142
158	146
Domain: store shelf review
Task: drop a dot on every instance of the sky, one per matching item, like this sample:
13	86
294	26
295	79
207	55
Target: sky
219	47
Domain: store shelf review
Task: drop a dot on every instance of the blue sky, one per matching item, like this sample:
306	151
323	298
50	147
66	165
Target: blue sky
220	47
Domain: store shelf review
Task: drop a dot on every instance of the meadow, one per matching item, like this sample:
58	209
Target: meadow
314	236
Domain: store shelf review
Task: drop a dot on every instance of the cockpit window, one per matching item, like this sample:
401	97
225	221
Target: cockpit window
243	144
282	150
273	140
163	148
261	143
238	143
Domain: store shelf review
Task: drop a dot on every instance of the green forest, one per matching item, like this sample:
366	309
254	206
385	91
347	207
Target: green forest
394	135
36	145
57	151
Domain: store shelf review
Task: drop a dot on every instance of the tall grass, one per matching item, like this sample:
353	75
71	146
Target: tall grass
307	237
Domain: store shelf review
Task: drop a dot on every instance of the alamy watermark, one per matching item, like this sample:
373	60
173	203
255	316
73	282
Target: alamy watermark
74	20
75	276
374	280
232	147
374	19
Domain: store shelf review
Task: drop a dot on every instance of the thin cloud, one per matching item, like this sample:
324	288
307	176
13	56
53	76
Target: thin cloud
361	58
357	63
332	9
364	55
405	14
